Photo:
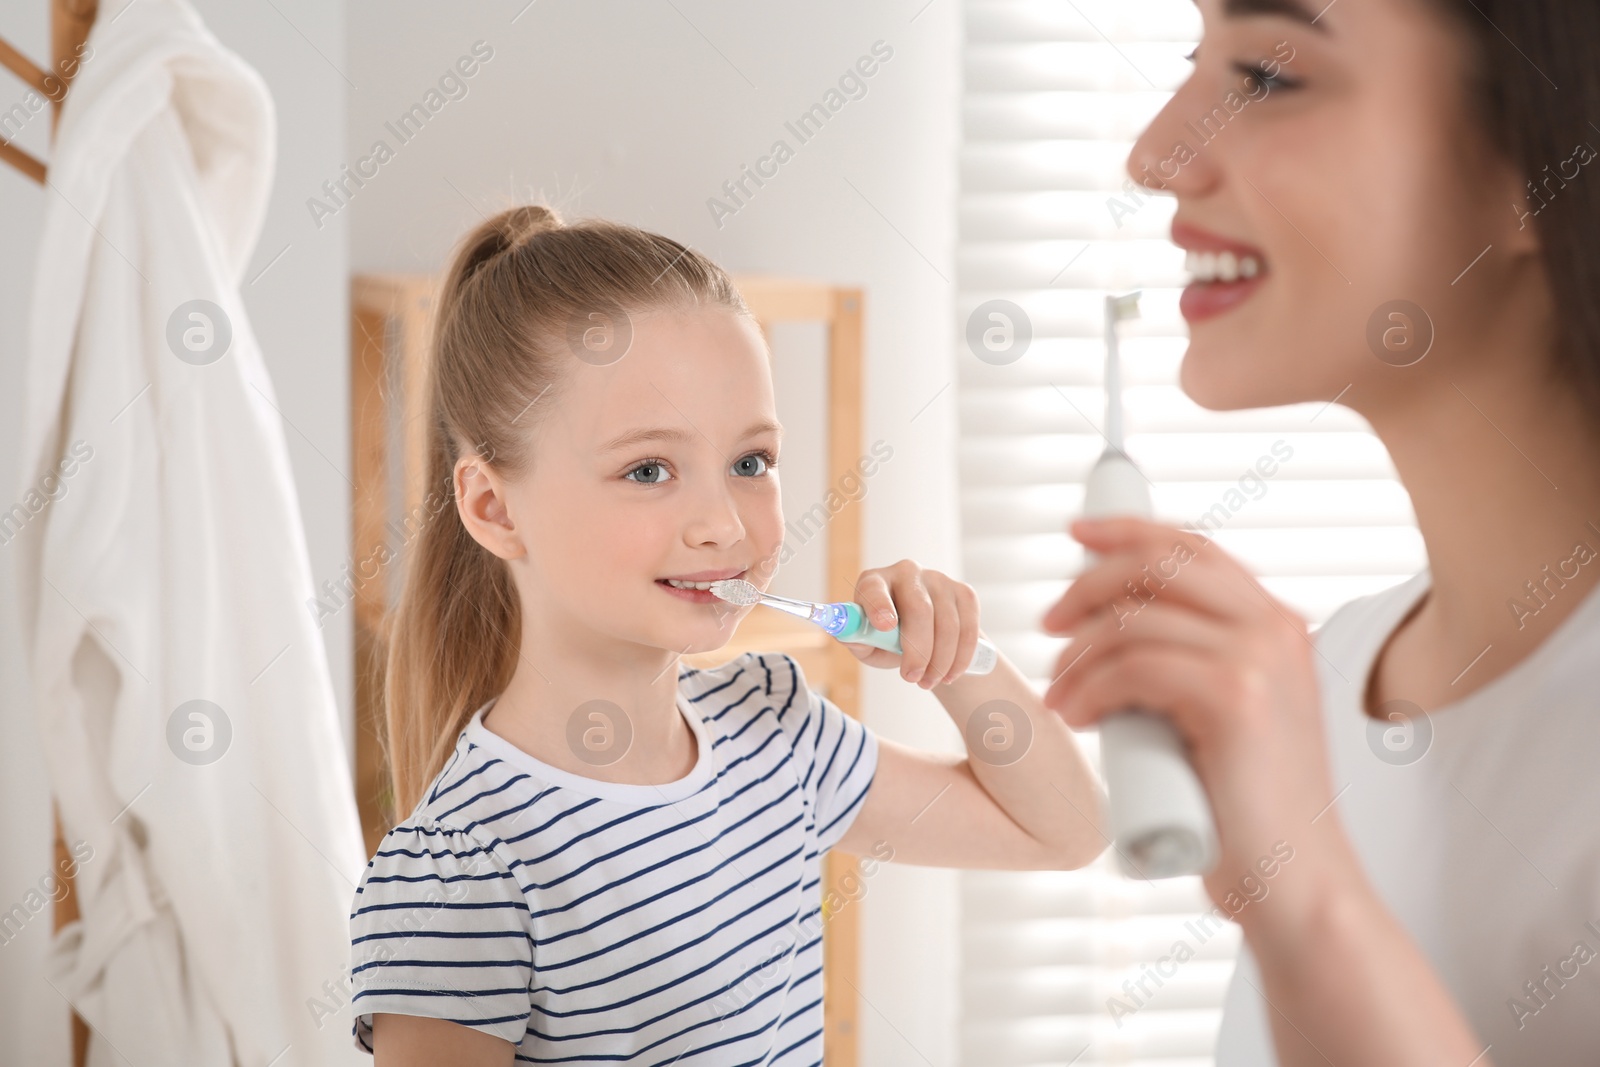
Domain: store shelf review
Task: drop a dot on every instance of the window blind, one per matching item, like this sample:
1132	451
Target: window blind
1055	93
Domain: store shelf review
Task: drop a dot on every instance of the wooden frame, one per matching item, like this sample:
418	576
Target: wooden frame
70	21
390	316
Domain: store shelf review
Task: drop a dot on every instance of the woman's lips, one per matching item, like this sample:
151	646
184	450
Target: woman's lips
1204	300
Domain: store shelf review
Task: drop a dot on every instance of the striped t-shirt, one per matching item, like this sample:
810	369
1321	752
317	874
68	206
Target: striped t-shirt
588	921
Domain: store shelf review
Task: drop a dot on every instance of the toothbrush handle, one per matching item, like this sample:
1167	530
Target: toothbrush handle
1160	817
856	630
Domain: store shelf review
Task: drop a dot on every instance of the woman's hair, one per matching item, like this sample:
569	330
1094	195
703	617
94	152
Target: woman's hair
1536	86
522	293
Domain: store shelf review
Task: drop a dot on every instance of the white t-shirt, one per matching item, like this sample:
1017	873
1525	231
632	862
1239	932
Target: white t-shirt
1483	840
587	921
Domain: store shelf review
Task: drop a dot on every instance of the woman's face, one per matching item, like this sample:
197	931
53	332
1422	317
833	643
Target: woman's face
1353	171
607	512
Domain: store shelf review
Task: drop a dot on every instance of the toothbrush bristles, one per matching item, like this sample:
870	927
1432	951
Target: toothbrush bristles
736	591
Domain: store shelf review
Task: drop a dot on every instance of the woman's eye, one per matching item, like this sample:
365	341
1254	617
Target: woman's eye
1191	55
767	461
650	466
1259	73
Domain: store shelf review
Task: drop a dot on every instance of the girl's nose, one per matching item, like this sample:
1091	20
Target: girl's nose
715	520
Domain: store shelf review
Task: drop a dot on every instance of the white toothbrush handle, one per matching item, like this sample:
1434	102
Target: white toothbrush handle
1160	818
984	659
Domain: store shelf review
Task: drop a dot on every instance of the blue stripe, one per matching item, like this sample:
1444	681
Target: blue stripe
389	934
748	694
717	689
507	784
813	1035
445	775
437	877
445	905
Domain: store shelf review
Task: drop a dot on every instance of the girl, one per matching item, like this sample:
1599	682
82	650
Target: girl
1418	198
608	856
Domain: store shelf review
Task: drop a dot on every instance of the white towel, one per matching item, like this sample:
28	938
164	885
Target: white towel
165	563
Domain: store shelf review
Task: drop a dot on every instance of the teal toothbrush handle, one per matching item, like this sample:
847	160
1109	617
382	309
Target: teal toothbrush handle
848	623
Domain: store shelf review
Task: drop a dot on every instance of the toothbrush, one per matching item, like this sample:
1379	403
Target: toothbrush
1160	818
845	621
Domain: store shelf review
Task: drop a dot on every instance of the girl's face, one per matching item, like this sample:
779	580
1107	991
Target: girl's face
1351	168
659	465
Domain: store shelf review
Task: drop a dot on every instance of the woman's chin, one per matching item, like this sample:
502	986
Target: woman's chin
1236	379
1220	382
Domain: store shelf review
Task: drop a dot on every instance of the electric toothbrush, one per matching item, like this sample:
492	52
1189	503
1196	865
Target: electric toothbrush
845	622
1160	818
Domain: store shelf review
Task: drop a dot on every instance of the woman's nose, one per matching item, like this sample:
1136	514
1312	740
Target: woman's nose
1167	157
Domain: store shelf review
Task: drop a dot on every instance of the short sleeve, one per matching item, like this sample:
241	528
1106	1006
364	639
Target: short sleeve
440	928
835	755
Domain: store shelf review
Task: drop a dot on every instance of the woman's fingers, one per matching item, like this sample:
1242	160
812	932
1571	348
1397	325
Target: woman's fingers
1184	685
1152	563
1105	634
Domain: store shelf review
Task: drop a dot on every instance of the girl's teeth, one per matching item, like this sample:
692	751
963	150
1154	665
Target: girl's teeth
688	585
1221	266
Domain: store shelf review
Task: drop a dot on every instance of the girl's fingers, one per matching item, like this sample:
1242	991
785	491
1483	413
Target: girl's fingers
872	593
916	622
937	617
967	639
946	636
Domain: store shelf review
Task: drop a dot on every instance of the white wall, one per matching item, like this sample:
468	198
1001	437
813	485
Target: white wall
640	111
299	310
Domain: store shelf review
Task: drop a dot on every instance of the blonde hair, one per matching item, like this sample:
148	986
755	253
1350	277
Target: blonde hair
520	288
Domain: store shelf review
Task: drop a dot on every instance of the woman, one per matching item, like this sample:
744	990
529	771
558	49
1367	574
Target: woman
1415	192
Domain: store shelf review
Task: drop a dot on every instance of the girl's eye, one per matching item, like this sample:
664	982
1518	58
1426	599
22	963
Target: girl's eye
768	461
653	466
1191	55
1259	73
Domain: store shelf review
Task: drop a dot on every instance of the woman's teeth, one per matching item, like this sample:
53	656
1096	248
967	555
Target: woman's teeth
687	585
1220	266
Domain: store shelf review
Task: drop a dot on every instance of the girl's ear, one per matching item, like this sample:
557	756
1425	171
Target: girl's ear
480	501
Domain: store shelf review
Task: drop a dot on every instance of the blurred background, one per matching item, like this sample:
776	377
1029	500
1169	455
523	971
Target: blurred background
983	158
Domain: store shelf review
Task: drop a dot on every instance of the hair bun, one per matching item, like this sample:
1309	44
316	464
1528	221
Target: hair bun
526	221
501	233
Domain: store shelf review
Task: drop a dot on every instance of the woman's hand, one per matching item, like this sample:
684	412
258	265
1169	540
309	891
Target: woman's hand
1168	622
937	615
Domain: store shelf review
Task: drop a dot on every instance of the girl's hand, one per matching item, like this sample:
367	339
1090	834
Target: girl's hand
937	615
1168	622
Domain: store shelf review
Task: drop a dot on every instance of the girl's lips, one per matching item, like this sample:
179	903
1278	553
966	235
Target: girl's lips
694	596
1204	300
